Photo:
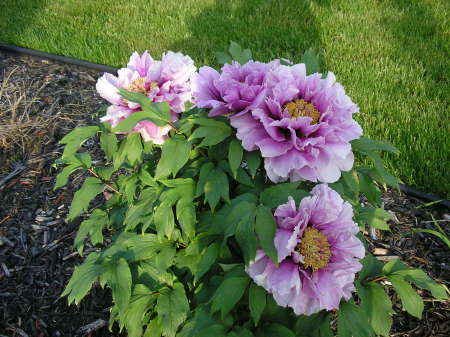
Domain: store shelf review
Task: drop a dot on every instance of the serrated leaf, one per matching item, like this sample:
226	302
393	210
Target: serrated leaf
276	195
82	198
411	301
228	294
63	177
315	325
175	153
253	160
133	148
207	259
369	189
108	143
140	303
245	234
118	279
92	226
76	138
235	153
378	307
82	279
216	186
311	61
256	301
172	307
371	267
164	220
423	281
265	227
374	217
104	172
353	321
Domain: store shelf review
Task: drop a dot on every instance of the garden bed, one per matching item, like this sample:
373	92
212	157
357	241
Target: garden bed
36	257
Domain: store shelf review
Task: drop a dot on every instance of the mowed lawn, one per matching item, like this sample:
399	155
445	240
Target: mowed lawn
392	56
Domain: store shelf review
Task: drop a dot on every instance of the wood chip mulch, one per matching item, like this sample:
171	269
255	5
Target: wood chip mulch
36	257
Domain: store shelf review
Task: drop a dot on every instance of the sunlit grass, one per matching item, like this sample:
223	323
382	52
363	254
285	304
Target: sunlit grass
392	56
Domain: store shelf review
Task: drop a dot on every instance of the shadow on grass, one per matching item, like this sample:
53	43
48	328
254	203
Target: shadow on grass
270	28
16	16
422	41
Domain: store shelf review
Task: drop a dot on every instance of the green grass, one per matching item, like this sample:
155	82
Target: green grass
392	56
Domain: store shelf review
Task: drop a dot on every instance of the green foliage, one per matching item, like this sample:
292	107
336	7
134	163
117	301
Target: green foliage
172	308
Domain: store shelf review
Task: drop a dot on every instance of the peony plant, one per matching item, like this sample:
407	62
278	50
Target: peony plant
228	203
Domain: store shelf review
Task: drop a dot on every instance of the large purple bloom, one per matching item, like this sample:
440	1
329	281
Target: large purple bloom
304	128
167	80
237	89
318	254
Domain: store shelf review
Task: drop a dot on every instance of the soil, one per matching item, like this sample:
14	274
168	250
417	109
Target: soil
36	256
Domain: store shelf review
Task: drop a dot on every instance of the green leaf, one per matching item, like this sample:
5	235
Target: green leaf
265	229
140	211
212	131
245	234
119	280
207	259
154	329
175	153
351	180
315	325
378	307
235	154
370	190
352	321
133	317
63	177
238	54
215	187
223	58
76	138
311	61
133	148
91	187
164	220
82	279
104	173
228	294
423	281
411	301
371	267
256	301
276	330
393	266
253	160
276	195
108	142
366	145
374	217
172	307
92	226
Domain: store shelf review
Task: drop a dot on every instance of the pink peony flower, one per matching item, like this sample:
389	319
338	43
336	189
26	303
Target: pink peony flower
237	89
304	127
318	254
167	80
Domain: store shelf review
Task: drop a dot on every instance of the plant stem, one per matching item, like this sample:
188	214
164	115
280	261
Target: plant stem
107	185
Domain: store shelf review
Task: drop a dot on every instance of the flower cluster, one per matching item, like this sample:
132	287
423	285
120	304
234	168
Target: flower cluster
318	254
167	80
302	124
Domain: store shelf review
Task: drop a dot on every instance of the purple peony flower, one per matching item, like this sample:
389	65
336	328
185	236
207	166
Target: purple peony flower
167	80
237	89
318	254
303	128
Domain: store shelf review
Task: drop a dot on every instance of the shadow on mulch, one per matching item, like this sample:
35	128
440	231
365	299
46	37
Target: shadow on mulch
36	257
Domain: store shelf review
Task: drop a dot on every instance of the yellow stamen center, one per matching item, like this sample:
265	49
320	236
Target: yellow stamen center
315	249
301	108
138	85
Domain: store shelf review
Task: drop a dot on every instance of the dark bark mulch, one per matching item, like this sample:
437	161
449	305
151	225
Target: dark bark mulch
36	257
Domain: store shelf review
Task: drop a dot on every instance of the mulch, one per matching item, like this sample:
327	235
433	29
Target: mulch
36	256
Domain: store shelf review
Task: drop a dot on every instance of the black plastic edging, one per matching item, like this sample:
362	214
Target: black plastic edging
411	191
31	52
